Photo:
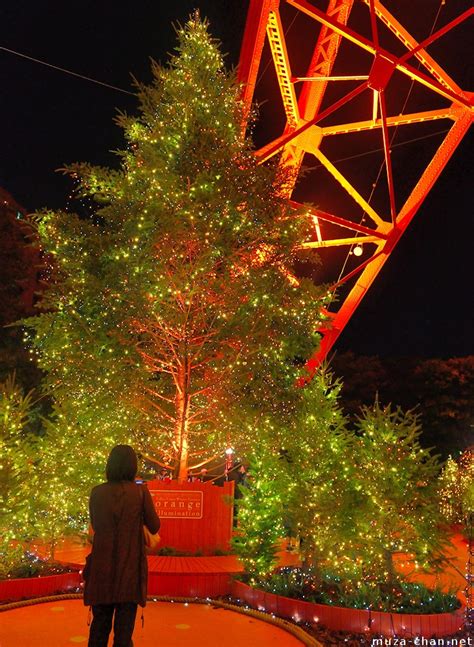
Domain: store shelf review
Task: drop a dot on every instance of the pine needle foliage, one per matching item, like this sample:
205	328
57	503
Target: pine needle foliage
172	315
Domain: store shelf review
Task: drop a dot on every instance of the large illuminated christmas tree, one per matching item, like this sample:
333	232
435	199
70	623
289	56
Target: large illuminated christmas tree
172	318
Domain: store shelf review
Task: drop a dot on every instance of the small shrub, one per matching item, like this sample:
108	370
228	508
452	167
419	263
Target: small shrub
405	597
28	564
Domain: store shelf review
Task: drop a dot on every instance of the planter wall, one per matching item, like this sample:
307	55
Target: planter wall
192	585
352	620
29	587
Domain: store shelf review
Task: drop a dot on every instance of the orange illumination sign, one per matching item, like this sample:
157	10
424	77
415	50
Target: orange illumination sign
178	504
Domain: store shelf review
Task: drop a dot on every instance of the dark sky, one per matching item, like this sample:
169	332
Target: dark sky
421	304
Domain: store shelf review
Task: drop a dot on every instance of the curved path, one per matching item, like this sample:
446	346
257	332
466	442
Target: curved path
64	622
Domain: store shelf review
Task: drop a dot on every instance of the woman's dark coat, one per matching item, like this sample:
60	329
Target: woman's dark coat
117	569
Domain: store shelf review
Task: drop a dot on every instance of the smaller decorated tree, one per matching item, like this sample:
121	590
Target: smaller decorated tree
18	452
60	492
319	464
398	511
361	501
41	498
456	486
261	513
298	475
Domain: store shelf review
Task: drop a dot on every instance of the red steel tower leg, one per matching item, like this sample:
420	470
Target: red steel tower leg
307	127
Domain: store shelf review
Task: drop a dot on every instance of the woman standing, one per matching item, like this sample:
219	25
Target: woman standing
116	572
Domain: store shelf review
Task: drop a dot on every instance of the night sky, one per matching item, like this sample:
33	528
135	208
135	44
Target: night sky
420	305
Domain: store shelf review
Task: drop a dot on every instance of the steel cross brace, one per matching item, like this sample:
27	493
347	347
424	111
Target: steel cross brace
305	129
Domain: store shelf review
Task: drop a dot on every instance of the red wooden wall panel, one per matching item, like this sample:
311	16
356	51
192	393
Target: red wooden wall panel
18	589
198	535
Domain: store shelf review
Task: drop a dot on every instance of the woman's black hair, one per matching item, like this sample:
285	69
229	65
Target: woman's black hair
122	464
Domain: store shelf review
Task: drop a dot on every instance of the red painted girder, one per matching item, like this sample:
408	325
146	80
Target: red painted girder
387	155
281	63
410	43
398	120
276	145
323	58
366	44
312	94
337	220
437	34
252	47
352	273
332	31
437	164
410	208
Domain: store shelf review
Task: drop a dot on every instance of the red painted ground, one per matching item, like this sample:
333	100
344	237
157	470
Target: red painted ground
167	624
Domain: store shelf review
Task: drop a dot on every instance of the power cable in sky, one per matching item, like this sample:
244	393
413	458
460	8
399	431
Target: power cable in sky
62	69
